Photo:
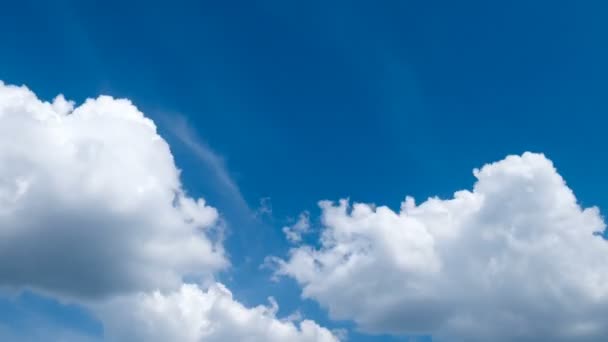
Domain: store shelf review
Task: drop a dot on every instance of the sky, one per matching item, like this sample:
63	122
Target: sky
261	110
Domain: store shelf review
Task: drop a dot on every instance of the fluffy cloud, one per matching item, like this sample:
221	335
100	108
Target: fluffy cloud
91	203
516	258
191	314
92	211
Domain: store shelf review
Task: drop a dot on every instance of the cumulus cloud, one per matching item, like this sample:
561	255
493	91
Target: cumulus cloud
91	202
92	211
192	314
515	258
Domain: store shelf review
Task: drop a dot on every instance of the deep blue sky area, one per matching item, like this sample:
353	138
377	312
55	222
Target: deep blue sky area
312	100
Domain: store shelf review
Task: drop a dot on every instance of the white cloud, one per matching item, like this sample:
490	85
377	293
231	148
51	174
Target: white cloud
294	232
91	202
192	314
516	258
92	211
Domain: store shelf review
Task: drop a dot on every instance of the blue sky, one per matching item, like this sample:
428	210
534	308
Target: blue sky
303	101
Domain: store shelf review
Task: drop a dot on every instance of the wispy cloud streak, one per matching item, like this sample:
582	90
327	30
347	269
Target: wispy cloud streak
179	127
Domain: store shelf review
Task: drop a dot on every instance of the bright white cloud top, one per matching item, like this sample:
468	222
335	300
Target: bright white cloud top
92	210
515	259
91	203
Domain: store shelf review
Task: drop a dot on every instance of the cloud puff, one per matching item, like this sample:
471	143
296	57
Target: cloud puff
90	200
191	314
516	258
294	232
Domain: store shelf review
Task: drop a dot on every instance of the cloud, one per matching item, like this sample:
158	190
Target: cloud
294	232
192	314
92	211
514	259
91	203
178	126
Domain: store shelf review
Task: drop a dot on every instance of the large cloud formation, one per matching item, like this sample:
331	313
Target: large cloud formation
515	259
92	210
90	200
